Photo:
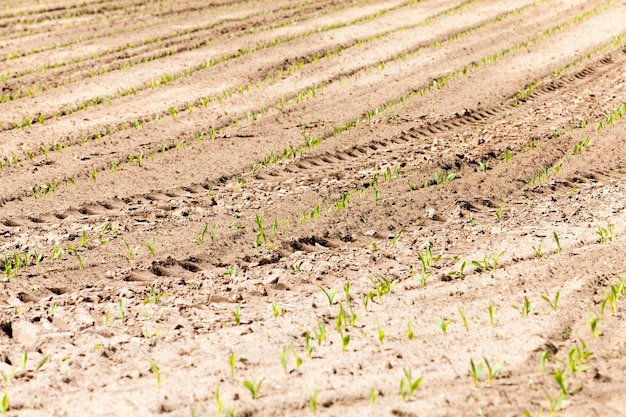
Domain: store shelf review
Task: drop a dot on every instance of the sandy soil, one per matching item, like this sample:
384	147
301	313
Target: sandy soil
261	208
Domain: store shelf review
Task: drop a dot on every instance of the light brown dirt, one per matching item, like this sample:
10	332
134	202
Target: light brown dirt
171	218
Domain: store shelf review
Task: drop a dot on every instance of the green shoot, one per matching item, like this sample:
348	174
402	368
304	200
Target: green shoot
155	370
199	238
538	250
321	336
218	402
409	333
381	333
492	314
131	252
231	363
373	395
493	372
443	324
237	314
605	234
552	304
122	307
407	385
313	401
283	359
345	340
524	310
330	294
278	311
483	166
308	345
4	406
464	319
150	246
476	371
296	356
558	242
253	387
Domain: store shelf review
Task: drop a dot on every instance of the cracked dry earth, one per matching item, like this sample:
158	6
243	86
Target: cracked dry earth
408	208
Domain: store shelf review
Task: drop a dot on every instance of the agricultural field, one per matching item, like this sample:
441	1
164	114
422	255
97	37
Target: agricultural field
312	207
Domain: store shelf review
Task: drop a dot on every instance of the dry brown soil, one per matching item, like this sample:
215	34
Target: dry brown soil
182	182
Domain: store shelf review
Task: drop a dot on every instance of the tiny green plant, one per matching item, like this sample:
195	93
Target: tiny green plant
464	319
4	406
593	321
237	314
277	311
155	370
558	242
409	333
373	395
507	156
150	245
443	324
330	294
321	335
283	360
345	340
199	238
525	308
605	234
494	371
552	303
408	385
231	363
218	401
131	252
313	401
122	307
253	387
476	371
537	249
308	345
492	315
381	333
213	232
483	166
232	272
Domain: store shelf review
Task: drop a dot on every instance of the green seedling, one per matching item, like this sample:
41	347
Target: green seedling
554	402
277	311
199	238
308	345
346	289
383	285
321	335
218	402
543	361
122	307
464	319
155	370
407	385
483	166
553	303
150	246
409	333
313	401
561	379
24	361
443	324
493	372
4	406
237	314
232	272
538	250
155	297
498	213
381	333
345	340
373	395
253	387
213	232
476	371
283	359
79	258
131	252
83	239
605	234
330	294
507	156
94	175
492	315
42	362
395	240
524	310
231	363
593	321
558	242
